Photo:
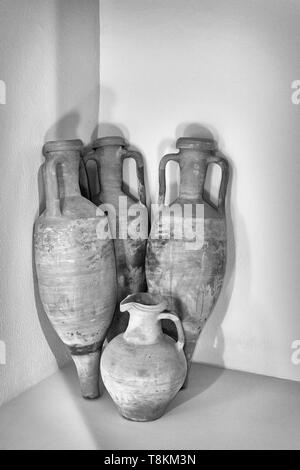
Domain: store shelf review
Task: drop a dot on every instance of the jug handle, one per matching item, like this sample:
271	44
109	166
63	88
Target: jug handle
162	175
176	320
90	155
51	188
223	164
138	158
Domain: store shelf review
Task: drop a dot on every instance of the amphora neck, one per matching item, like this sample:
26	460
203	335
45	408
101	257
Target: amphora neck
193	160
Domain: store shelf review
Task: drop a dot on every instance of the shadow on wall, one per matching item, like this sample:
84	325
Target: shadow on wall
111	128
77	73
77	68
103	129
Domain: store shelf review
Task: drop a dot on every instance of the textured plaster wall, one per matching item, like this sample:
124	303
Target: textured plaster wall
189	67
49	61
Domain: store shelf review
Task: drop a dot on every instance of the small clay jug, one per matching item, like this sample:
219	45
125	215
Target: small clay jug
75	266
186	265
109	154
143	369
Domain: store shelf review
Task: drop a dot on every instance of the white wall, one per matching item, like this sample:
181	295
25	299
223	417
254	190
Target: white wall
49	60
168	66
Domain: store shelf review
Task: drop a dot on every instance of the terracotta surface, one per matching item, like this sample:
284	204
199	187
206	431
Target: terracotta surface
143	369
75	269
109	154
189	272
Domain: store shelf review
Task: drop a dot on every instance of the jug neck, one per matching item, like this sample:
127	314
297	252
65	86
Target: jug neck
143	327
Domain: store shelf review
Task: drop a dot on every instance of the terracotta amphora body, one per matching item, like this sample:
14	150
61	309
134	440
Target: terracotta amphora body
128	218
143	369
186	259
75	266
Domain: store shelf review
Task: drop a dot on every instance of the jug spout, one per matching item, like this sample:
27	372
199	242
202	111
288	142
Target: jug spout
144	326
145	301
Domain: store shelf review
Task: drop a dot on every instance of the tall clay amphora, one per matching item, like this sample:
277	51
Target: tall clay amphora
143	369
128	218
75	264
186	254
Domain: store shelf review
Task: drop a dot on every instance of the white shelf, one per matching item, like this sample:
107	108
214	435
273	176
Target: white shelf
221	409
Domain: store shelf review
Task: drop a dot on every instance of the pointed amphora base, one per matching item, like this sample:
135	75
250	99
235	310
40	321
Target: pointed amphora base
88	370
